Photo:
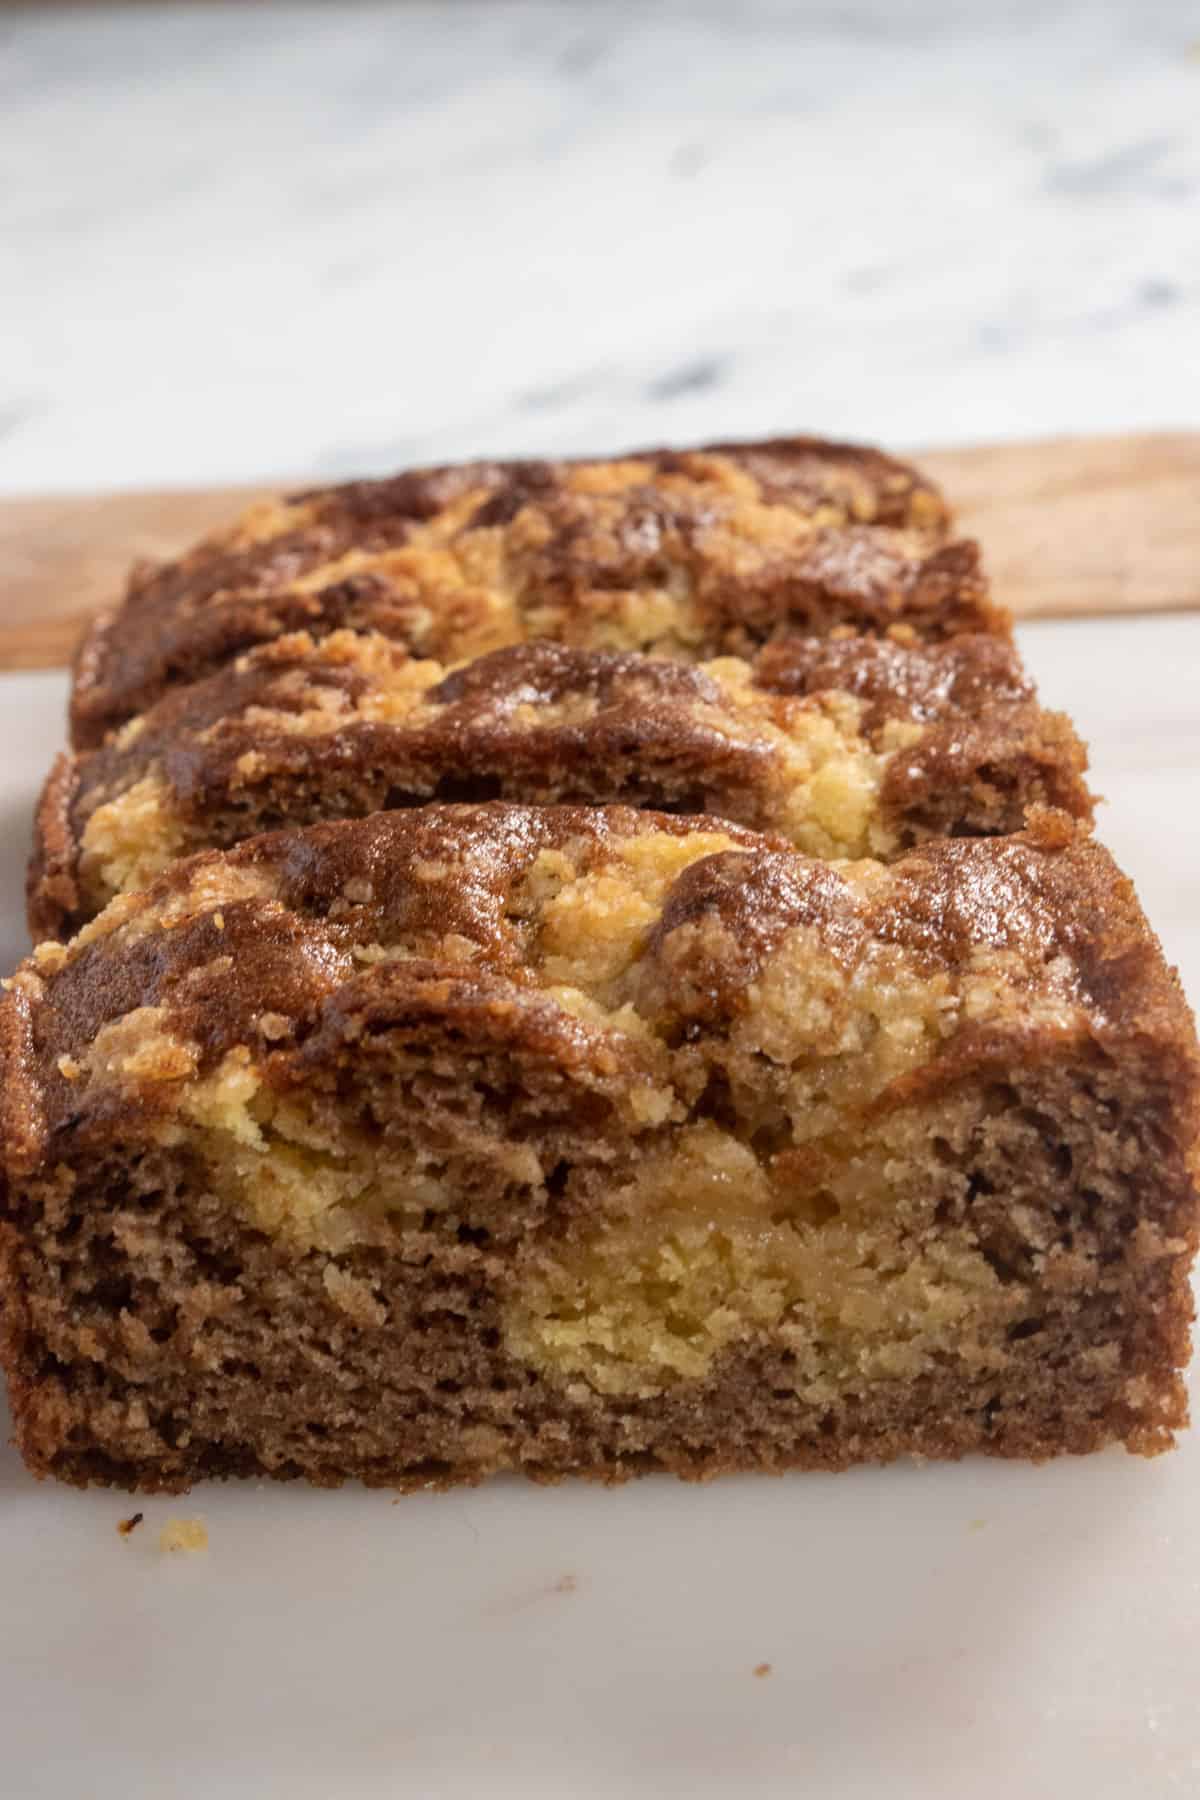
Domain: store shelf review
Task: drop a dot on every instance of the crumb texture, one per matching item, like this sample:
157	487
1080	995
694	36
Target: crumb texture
593	1139
183	1535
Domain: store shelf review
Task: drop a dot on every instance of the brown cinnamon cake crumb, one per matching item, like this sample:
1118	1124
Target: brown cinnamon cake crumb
848	746
587	1140
692	554
126	1527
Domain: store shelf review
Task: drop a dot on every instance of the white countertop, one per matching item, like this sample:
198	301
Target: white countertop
261	240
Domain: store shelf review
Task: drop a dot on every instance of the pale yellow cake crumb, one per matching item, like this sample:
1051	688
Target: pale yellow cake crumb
183	1534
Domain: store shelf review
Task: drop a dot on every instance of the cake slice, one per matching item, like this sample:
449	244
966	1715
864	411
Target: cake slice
462	1139
850	746
691	554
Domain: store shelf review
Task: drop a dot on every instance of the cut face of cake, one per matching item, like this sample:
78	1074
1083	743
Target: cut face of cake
848	746
460	1139
690	554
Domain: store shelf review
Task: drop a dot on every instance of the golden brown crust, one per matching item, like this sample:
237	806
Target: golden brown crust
221	939
696	552
895	676
846	745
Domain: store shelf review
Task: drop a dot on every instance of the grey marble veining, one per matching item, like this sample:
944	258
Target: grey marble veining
243	240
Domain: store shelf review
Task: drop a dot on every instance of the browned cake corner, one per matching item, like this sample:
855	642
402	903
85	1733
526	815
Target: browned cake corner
690	553
588	1140
848	746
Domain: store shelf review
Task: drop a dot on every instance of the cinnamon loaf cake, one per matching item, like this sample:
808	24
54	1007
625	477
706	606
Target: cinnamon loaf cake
850	745
690	554
460	1139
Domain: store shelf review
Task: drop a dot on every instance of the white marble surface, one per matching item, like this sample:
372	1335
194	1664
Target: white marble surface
250	240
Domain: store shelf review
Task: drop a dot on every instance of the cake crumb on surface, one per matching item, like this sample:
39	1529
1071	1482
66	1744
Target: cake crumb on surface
183	1534
126	1526
762	1670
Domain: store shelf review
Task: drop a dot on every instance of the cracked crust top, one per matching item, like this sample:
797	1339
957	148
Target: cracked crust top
850	745
688	553
619	952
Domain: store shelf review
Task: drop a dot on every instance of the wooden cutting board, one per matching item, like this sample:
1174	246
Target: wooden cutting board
1068	526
